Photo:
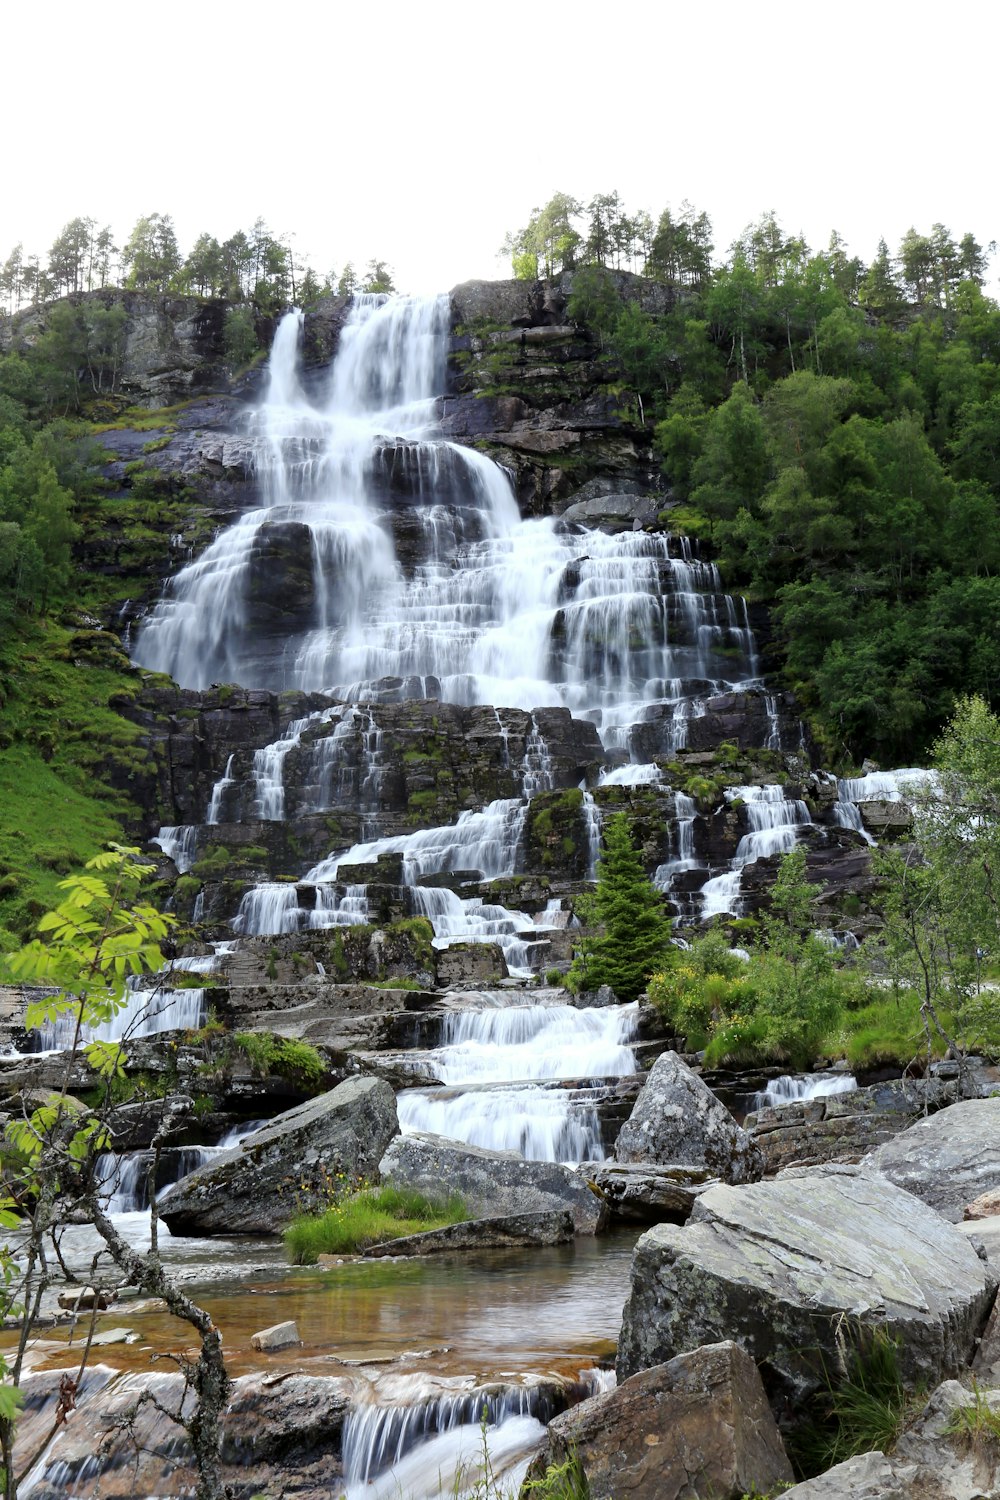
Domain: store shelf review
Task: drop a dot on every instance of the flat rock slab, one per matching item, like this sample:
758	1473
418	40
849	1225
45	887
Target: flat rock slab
289	1166
643	1193
508	1230
677	1118
786	1267
698	1425
490	1183
948	1159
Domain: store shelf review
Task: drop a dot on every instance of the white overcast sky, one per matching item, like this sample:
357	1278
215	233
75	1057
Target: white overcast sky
421	133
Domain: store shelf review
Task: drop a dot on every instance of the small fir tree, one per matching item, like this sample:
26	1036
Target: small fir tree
633	937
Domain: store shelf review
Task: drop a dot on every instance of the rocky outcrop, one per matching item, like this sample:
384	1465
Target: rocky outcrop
845	1127
283	1430
490	1182
698	1425
948	1159
949	1453
520	1231
645	1193
784	1267
869	1476
288	1166
172	347
436	760
677	1119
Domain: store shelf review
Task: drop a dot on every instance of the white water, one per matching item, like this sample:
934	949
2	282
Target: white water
789	1089
774	826
496	609
877	786
499	1062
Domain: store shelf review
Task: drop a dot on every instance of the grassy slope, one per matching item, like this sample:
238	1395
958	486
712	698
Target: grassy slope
61	743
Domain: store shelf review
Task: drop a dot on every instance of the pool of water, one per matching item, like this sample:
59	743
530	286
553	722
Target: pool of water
492	1313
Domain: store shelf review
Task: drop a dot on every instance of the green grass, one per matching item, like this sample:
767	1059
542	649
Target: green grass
298	1061
862	1410
60	741
887	1031
367	1218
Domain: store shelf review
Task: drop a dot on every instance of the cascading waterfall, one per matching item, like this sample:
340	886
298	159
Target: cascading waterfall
497	610
435	1446
498	1063
774	827
789	1089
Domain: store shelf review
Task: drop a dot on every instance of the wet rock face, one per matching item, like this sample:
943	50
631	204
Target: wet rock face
490	1182
778	1266
435	760
677	1119
702	1417
948	1159
287	1167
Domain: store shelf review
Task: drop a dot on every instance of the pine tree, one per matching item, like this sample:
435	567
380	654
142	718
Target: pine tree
634	935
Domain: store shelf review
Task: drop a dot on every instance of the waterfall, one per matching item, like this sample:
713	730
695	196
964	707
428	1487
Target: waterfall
536	770
774	825
435	1447
592	819
877	786
225	783
307	589
498	1064
789	1089
179	844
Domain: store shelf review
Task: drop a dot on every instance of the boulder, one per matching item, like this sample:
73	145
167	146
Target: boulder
698	1425
641	1193
490	1182
677	1119
555	1228
869	1476
285	1431
986	1206
947	1159
787	1268
288	1166
953	1443
844	1127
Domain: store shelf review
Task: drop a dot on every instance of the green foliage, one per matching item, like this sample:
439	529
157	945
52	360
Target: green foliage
632	936
979	1421
367	1218
290	1058
860	1409
95	939
565	1481
239	336
939	898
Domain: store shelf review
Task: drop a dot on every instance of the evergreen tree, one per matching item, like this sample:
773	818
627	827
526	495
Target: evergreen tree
634	936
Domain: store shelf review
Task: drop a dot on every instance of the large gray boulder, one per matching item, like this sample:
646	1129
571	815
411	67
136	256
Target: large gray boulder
947	1159
699	1425
490	1183
792	1268
677	1119
289	1166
